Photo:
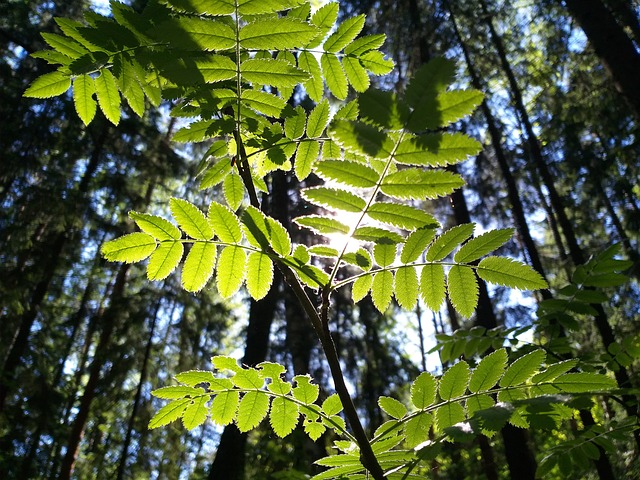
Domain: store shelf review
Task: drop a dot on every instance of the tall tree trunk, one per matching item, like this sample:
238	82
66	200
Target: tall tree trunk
122	464
612	45
109	322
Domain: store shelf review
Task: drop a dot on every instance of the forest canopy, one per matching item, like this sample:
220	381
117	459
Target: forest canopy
289	239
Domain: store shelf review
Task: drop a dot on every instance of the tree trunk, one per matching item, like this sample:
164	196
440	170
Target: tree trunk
612	45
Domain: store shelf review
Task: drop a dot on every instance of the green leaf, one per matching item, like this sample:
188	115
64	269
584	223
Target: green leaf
454	382
231	270
156	226
384	109
332	405
416	430
432	286
263	102
323	225
164	260
334	198
233	189
191	219
448	415
196	412
305	391
314	429
198	267
378	235
176	391
360	138
356	74
463	289
361	287
323	251
216	173
430	79
195	377
169	413
417	184
382	289
584	382
277	73
510	273
334	75
360	258
306	155
523	368
318	119
83	90
384	253
417	242
108	96
436	149
344	34
294	125
375	62
553	371
403	216
127	80
347	172
197	33
224	222
130	248
283	416
406	287
364	44
64	45
315	84
276	33
445	243
255	228
423	391
488	371
483	244
224	407
392	407
280	240
452	106
259	275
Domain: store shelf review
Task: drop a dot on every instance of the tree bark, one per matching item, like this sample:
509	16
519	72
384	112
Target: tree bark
612	45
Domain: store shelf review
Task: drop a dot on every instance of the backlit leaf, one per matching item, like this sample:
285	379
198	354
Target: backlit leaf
224	407
318	119
483	244
360	138
276	33
176	391
432	286
252	409
448	241
85	104
416	430
334	198
196	412
198	266
169	413
283	416
488	371
406	287
197	33
233	189
294	125
583	382
454	381
277	73
510	273
403	216
191	219
130	248
347	172
448	415
259	275
224	222
315	84
417	242
392	407
344	34
382	289
323	225
361	287
356	74
419	184
231	270
523	368
156	226
436	149
280	240
334	75
375	62
263	102
462	287
364	44
108	96
423	391
430	79
306	155
164	260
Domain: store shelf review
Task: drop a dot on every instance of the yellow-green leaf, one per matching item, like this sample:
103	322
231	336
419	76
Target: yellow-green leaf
130	248
231	270
83	90
164	260
108	96
198	267
49	85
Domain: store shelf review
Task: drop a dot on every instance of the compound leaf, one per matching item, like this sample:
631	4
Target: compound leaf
462	286
198	266
130	248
